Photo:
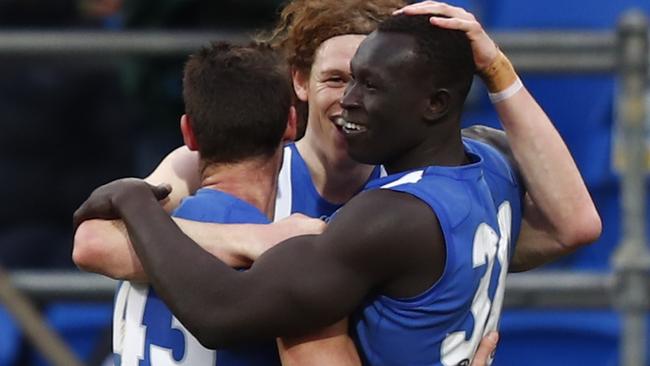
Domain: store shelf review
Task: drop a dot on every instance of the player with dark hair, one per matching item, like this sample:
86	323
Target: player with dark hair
423	258
231	93
321	171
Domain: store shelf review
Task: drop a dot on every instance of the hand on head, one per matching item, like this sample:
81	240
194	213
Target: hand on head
452	17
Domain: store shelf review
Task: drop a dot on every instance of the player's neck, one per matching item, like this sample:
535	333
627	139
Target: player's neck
337	179
253	181
443	148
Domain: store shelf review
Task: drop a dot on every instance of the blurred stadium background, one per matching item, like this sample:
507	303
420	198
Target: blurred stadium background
90	91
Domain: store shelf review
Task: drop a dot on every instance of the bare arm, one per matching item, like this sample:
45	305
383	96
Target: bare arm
560	216
330	346
560	206
103	246
180	169
279	295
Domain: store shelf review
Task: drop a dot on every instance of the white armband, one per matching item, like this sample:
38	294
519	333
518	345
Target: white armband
507	92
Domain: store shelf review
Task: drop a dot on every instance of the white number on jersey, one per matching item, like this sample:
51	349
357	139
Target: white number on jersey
487	245
129	334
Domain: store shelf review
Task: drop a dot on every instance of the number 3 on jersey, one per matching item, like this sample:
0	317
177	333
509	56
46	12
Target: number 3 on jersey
129	333
456	348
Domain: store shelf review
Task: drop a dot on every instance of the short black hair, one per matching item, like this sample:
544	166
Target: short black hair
447	52
238	99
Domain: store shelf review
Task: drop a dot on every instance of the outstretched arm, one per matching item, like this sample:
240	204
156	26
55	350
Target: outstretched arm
560	215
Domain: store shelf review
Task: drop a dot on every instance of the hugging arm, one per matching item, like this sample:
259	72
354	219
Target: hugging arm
103	246
303	284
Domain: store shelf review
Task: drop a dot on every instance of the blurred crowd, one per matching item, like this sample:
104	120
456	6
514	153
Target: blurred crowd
70	123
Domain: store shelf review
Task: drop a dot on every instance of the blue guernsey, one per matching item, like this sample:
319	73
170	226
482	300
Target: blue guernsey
479	209
296	190
145	333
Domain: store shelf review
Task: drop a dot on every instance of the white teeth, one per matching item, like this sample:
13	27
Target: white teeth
347	126
350	127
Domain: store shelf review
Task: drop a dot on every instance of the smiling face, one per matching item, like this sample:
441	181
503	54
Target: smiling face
386	105
323	89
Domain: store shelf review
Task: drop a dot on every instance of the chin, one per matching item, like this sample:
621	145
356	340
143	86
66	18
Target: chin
364	158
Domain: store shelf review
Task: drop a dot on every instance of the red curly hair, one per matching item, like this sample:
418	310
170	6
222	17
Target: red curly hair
305	24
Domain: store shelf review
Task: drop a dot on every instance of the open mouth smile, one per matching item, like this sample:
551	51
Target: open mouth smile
349	127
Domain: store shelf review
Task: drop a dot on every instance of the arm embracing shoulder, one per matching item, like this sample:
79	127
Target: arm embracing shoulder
102	246
301	285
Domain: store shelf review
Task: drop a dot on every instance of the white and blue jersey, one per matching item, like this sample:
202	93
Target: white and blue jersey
296	190
479	209
145	333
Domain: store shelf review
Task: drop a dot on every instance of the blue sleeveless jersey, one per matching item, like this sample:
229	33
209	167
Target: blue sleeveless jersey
145	331
479	209
296	190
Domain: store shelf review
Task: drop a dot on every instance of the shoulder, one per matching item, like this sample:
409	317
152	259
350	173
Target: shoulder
494	161
393	239
386	207
384	222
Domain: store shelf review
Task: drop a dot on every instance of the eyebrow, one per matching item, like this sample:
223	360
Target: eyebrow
332	71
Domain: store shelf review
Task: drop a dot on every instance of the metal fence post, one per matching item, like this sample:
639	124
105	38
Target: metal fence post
632	258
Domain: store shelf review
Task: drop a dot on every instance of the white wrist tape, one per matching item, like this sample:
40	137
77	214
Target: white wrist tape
507	92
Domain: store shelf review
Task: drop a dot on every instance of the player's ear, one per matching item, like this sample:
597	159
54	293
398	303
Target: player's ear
188	134
300	83
292	125
437	105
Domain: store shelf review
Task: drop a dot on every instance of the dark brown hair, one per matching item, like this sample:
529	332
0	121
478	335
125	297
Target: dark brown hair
238	100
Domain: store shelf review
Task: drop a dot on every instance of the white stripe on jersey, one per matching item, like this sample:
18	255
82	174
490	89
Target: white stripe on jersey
412	177
382	171
284	194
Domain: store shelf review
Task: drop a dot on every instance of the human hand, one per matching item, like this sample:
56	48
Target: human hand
486	348
102	202
451	17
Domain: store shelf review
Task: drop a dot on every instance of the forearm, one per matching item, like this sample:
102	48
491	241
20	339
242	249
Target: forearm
165	250
283	294
217	304
550	174
329	346
544	161
103	246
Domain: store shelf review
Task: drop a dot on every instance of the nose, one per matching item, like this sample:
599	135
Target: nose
350	97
